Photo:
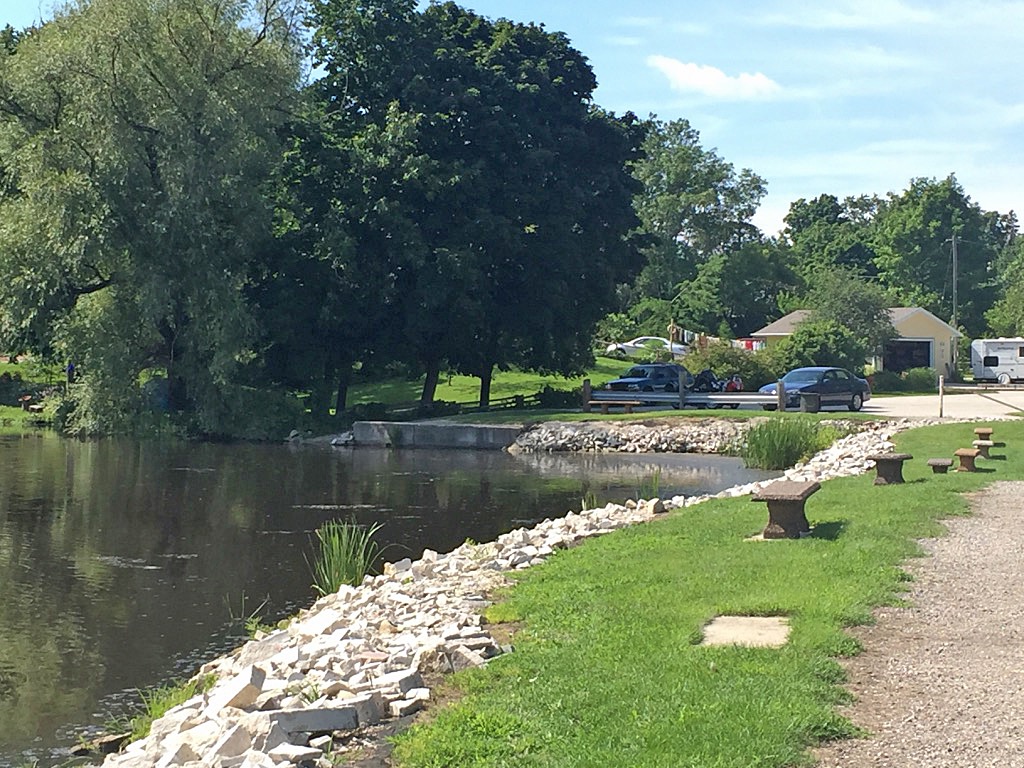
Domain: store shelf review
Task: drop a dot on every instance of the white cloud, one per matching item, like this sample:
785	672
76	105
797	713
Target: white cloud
711	81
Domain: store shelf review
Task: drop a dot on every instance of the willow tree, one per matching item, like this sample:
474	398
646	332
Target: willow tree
136	140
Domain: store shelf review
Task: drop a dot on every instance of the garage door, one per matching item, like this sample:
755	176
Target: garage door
904	354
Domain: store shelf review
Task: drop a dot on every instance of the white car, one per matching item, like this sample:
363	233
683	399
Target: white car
645	344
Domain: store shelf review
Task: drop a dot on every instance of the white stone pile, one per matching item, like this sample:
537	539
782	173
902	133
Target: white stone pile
689	436
365	653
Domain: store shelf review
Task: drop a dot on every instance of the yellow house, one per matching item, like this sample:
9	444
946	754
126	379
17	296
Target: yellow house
922	340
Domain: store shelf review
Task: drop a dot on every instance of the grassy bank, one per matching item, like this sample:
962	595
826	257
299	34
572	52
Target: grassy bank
607	670
466	389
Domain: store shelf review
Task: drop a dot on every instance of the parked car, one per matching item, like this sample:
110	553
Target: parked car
836	386
651	377
645	345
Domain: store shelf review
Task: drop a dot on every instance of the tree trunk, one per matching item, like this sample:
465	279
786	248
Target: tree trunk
343	380
177	392
430	384
485	387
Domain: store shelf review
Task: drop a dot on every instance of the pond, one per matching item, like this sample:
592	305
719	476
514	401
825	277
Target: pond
125	565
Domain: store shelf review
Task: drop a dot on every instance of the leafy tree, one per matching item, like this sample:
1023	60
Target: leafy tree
1006	317
912	240
823	234
841	297
693	205
820	342
510	190
137	137
734	293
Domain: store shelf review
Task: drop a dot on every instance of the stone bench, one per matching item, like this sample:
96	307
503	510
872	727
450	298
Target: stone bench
785	498
983	446
940	466
889	467
967	457
983	433
627	406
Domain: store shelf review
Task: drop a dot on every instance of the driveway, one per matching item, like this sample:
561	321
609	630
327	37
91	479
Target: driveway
983	404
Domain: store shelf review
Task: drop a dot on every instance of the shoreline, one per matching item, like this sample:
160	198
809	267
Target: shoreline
359	657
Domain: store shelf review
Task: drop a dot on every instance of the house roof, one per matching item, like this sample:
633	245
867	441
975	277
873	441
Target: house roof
786	324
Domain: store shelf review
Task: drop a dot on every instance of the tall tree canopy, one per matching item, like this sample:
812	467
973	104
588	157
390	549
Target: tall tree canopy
824	233
137	137
693	205
913	240
497	233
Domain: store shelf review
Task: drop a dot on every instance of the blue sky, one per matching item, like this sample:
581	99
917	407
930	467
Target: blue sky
836	97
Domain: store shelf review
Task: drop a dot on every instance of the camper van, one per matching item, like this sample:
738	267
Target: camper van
1000	360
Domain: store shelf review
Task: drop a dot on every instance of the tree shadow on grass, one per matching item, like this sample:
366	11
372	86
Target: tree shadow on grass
830	530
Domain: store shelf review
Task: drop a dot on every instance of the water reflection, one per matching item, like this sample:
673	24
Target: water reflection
123	563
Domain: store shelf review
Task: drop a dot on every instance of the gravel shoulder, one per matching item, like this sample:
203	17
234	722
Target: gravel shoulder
939	680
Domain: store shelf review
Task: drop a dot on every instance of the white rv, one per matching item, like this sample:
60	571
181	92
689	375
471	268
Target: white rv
1000	360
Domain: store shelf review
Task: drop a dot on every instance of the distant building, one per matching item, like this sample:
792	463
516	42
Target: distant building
922	340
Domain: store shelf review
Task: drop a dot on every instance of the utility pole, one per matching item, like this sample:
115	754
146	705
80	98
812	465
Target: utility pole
955	349
954	279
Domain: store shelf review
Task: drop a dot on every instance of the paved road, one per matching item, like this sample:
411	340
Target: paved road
982	404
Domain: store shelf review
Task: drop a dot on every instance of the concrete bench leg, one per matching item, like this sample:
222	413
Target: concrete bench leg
888	472
604	408
786	520
967	464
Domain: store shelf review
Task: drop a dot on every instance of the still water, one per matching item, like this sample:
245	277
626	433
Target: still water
124	565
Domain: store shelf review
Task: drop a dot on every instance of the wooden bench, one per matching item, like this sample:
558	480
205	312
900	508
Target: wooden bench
786	518
940	466
627	406
967	457
983	446
889	467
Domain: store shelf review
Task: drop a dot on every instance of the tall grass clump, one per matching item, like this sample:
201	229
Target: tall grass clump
346	554
781	442
156	702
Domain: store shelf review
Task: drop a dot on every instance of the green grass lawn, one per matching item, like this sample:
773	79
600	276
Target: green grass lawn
607	671
466	389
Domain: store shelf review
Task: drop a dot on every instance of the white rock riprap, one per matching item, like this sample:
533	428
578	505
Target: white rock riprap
689	436
365	653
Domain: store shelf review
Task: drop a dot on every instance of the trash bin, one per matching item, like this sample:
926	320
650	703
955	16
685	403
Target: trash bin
810	402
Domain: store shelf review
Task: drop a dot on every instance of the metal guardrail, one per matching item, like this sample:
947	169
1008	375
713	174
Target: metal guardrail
689	398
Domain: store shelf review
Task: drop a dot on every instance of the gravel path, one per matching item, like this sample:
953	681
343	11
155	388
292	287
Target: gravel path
941	682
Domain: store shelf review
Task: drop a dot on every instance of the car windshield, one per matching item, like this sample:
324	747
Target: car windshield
637	373
801	377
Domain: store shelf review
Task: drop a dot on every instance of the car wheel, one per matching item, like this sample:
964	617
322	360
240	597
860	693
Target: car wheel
671	387
856	401
734	406
618	352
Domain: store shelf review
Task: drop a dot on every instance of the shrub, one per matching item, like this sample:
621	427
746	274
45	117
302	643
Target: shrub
914	380
549	397
782	441
369	411
920	380
886	381
756	368
346	554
